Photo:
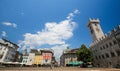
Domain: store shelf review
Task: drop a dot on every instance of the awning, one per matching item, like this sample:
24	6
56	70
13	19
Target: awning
70	63
10	62
75	63
81	62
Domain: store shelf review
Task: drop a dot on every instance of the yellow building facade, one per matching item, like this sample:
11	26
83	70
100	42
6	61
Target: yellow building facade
38	60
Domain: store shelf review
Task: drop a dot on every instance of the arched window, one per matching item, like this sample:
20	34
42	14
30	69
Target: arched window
107	55
112	54
118	52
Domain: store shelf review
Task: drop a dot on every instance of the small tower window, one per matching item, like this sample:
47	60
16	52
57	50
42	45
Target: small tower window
91	31
90	27
95	24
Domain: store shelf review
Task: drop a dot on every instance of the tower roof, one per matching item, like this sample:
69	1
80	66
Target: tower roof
93	21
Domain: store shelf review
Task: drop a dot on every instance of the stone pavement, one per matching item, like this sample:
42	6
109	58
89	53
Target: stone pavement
57	69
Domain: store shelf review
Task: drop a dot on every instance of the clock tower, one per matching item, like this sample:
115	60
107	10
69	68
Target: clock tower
95	30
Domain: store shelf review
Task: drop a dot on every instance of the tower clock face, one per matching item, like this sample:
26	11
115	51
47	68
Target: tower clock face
97	29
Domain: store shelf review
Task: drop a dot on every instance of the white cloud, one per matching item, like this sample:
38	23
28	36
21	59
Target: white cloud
14	25
71	15
58	50
3	33
9	24
76	11
54	34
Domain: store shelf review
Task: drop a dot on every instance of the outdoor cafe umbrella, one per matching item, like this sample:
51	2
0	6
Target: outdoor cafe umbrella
77	63
81	62
70	63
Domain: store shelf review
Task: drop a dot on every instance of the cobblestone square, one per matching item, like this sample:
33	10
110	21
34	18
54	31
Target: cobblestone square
58	69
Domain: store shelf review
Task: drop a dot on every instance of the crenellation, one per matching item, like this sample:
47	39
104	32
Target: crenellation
109	33
94	20
105	36
114	30
118	26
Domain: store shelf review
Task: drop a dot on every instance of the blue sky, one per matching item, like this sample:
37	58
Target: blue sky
20	17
